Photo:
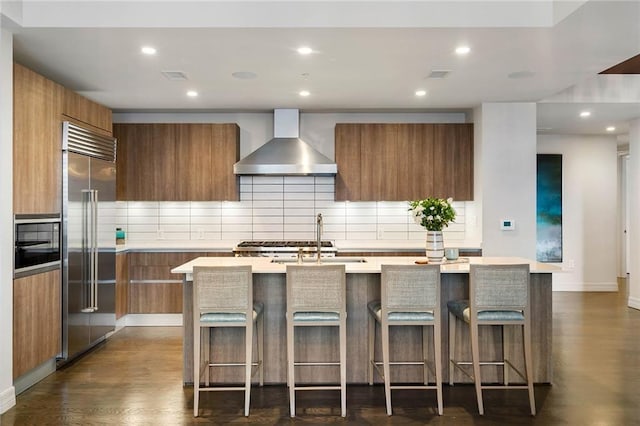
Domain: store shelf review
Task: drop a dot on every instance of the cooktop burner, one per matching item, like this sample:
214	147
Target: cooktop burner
275	243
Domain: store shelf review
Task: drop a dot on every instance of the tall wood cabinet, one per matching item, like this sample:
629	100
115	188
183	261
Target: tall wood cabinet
37	148
177	162
81	109
399	162
36	320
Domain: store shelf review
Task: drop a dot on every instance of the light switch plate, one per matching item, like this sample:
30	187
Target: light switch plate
507	224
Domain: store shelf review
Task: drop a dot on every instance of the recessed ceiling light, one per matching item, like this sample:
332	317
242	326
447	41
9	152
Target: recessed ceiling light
585	114
611	129
304	93
421	92
304	50
462	50
148	50
192	93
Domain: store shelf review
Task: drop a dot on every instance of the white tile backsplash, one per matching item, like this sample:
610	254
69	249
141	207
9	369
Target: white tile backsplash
274	208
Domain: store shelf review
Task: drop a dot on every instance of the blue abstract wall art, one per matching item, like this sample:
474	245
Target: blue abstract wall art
549	208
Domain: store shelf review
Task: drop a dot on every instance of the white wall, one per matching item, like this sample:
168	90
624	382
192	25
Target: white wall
634	213
506	171
589	204
7	392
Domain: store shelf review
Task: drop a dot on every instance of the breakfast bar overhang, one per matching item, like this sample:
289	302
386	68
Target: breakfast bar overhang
363	286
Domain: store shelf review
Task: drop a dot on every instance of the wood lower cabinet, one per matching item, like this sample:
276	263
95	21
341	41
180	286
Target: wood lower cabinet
153	289
177	162
86	111
36	320
400	162
37	147
122	284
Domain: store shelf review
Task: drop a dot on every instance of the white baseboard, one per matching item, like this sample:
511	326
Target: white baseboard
152	320
7	399
582	286
634	302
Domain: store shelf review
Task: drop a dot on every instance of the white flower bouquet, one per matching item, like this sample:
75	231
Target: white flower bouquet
432	213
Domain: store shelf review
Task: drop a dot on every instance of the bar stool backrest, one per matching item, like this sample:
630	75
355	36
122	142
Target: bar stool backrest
316	288
499	287
410	288
224	289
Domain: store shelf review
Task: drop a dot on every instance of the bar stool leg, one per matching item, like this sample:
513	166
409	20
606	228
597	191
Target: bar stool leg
290	367
260	331
528	362
475	355
206	343
248	366
505	366
343	366
385	366
437	348
425	355
452	345
372	343
196	369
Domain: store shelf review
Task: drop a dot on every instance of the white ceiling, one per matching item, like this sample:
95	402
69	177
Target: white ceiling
359	62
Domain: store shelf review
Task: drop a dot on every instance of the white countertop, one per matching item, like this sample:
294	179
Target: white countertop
263	265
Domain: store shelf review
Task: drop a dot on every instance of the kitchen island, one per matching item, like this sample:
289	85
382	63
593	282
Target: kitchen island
363	286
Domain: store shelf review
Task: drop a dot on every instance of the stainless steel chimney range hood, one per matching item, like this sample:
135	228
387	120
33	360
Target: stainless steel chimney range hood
286	154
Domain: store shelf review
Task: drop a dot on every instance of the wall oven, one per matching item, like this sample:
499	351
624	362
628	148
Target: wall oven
37	244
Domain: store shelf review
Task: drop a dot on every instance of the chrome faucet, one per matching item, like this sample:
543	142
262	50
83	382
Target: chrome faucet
319	234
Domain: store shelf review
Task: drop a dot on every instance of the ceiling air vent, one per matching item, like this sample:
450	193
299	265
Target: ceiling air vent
174	75
439	74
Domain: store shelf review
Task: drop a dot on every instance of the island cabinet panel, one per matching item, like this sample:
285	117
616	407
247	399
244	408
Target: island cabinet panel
400	162
379	161
86	111
122	285
36	320
37	147
415	157
347	148
145	164
177	162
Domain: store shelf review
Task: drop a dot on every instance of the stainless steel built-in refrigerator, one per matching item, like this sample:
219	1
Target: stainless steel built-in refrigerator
88	239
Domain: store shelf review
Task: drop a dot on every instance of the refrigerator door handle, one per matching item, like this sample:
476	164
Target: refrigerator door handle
94	239
87	250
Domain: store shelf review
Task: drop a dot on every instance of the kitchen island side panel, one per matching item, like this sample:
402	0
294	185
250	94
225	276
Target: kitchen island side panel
321	343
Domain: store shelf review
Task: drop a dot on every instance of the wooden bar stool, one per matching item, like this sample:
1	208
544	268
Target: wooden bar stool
223	297
316	297
498	295
410	297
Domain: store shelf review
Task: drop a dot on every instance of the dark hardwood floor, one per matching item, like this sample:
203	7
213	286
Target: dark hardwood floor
135	379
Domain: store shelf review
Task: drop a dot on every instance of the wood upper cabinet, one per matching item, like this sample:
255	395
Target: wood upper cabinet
379	161
36	320
453	161
177	162
146	155
86	111
225	152
347	147
416	155
37	147
399	162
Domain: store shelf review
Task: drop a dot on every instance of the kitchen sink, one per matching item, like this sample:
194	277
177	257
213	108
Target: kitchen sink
309	260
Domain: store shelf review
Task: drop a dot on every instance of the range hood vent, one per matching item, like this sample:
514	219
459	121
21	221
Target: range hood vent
286	154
